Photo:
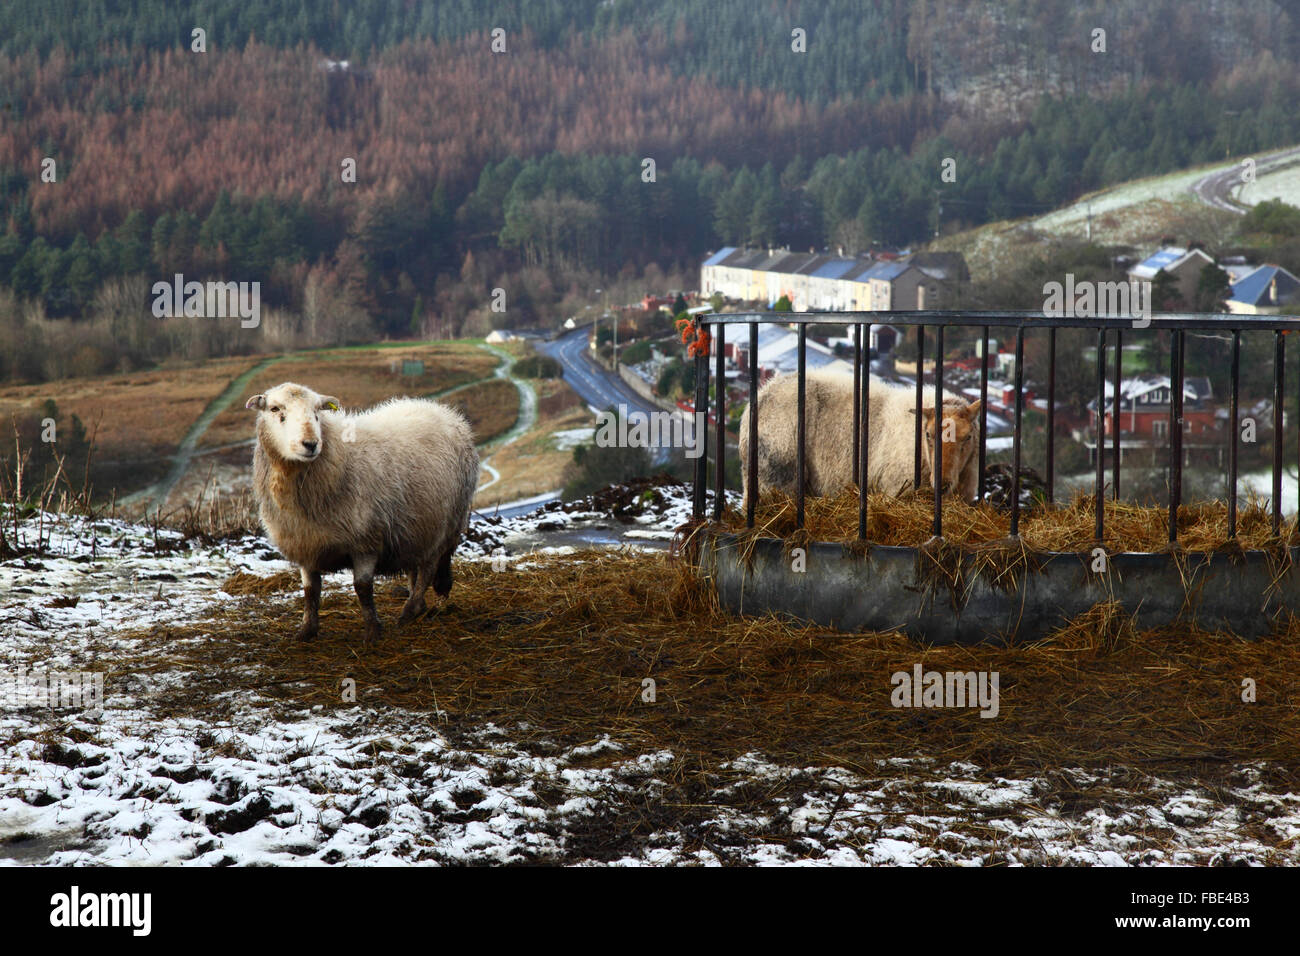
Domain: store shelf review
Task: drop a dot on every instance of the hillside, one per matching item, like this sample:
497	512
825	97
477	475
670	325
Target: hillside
379	170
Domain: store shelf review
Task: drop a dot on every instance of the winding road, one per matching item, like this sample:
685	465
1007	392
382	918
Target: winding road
598	387
1216	187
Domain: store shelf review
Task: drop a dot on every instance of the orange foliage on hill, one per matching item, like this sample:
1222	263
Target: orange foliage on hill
164	132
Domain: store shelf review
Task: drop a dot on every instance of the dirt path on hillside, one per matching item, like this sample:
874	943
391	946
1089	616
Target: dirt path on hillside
155	496
523	424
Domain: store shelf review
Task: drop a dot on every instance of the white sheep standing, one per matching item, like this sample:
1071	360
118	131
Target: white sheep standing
828	439
382	491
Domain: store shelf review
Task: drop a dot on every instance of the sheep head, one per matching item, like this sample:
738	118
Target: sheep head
959	432
289	421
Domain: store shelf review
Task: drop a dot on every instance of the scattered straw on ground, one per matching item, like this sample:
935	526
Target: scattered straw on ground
562	649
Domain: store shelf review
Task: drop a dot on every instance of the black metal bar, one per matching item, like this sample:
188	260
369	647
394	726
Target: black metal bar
1175	432
1234	434
1279	369
802	429
751	466
1012	319
720	406
863	482
857	395
701	431
1015	439
1099	527
937	456
1115	423
1051	415
920	380
984	409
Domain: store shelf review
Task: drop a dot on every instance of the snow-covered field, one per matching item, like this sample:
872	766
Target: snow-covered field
1072	220
122	782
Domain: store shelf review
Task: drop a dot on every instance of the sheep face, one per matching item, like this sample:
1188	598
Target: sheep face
959	432
289	421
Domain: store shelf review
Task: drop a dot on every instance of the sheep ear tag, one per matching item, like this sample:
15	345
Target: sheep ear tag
332	406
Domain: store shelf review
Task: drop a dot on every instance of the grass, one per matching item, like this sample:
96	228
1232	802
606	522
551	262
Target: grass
142	415
359	378
492	407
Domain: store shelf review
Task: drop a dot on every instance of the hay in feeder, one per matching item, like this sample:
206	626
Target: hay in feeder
908	521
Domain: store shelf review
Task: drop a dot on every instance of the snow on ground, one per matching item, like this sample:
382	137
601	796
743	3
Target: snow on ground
1260	484
1282	183
385	788
1276	176
569	439
97	576
629	515
1072	219
119	783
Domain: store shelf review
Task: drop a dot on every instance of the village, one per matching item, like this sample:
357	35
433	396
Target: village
636	342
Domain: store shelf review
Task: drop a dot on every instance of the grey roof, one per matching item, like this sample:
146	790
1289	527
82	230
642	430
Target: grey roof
790	262
942	265
836	268
937	265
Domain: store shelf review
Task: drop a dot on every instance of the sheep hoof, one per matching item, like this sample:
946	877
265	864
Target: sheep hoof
307	632
410	614
373	632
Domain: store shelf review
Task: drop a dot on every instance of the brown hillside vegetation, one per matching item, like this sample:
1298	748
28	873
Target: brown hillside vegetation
140	414
256	121
492	407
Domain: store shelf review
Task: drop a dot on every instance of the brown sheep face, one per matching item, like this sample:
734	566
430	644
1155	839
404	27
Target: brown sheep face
289	420
959	432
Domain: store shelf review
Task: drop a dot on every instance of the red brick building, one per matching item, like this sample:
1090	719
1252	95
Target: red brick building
1143	413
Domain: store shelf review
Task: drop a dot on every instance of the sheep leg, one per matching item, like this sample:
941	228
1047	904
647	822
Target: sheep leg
363	582
311	605
415	605
442	577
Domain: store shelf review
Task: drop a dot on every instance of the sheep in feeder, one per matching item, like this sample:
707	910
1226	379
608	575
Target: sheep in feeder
828	441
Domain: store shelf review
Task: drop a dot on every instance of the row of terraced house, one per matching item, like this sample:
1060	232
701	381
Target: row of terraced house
816	282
